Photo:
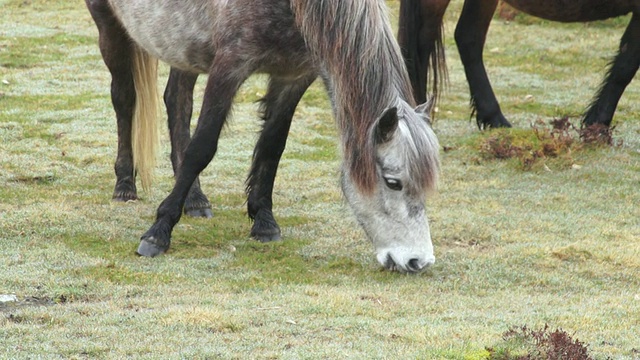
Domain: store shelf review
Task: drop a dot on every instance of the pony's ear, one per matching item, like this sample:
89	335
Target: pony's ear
426	108
386	125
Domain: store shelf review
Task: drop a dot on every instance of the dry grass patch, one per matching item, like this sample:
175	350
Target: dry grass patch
522	343
544	144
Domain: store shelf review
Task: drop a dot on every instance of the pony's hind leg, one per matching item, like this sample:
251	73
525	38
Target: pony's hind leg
178	98
470	35
117	53
623	69
228	72
278	107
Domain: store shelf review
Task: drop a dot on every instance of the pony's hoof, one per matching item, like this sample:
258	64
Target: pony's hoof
124	196
266	235
265	228
125	190
149	249
199	213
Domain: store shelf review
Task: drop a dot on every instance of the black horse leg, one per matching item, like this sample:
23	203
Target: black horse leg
277	108
117	54
227	74
420	38
178	98
470	35
623	69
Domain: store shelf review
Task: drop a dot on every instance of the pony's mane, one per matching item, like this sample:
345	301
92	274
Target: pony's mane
354	43
420	148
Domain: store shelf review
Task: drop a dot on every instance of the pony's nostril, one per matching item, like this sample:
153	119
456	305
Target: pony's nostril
389	263
414	265
411	265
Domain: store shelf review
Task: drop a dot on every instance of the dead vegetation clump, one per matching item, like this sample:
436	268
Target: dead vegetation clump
522	343
598	134
559	140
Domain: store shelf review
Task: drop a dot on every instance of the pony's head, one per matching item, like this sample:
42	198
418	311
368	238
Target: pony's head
391	208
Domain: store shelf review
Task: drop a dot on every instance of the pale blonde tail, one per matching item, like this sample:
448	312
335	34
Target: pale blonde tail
144	136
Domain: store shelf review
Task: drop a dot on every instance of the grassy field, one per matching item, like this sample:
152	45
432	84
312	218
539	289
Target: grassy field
556	243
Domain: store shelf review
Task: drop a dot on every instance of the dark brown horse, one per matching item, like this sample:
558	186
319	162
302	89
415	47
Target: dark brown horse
420	38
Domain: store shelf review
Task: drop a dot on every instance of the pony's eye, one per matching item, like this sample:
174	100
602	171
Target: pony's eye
393	184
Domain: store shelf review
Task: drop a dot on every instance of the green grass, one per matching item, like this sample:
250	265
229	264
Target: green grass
18	52
553	243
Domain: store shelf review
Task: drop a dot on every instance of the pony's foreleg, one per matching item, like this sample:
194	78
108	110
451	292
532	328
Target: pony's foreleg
117	53
470	35
278	107
228	72
623	69
178	98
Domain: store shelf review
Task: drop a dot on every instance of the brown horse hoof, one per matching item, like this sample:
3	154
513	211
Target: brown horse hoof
149	249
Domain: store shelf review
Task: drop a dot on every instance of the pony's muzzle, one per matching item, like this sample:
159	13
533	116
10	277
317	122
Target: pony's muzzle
405	264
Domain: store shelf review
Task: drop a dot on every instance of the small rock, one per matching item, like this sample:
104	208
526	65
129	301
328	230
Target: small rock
576	167
8	298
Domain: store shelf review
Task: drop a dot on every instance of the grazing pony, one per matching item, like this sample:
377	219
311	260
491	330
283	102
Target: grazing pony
390	151
420	37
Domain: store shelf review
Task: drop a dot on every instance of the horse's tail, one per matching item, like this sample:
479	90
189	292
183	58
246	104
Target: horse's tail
420	34
144	131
